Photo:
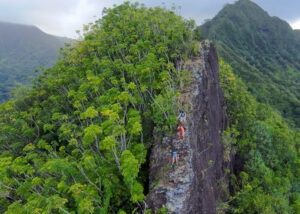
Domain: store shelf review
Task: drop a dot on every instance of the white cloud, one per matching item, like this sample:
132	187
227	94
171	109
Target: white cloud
64	17
65	21
58	17
296	24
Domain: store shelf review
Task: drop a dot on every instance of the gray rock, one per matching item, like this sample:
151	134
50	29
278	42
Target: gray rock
191	187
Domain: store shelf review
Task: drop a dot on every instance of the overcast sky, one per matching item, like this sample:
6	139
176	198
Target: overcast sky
64	17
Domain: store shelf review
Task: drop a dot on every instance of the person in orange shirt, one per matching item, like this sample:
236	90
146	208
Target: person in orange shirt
181	132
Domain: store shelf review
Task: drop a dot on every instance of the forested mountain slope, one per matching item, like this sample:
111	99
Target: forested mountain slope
22	50
266	175
79	140
264	51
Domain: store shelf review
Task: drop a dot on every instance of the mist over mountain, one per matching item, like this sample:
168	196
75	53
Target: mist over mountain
23	49
263	50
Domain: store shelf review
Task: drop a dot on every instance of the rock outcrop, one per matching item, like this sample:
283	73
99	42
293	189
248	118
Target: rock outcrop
193	185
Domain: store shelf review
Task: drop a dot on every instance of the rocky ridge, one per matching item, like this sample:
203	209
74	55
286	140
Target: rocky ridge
192	187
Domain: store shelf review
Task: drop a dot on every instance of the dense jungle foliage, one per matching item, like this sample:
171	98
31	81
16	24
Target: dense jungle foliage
263	51
267	153
75	142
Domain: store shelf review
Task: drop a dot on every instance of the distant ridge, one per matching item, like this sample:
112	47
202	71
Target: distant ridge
24	48
29	30
263	50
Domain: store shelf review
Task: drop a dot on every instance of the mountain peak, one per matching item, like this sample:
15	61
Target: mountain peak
245	18
258	46
243	11
245	4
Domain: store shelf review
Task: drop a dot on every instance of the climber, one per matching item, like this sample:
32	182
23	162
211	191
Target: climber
181	132
182	117
175	156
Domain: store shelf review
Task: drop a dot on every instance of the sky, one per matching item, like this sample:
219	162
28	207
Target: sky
65	17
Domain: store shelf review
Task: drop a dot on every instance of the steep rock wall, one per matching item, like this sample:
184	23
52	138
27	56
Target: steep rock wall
193	186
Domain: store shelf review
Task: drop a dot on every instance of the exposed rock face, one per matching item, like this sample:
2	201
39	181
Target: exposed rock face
192	187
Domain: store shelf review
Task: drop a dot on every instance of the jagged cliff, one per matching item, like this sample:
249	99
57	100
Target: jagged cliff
192	187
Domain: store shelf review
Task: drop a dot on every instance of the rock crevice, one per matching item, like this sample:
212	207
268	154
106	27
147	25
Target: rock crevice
192	186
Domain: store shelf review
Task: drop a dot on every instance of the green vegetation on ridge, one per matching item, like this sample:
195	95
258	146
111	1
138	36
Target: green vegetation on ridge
263	51
266	172
75	143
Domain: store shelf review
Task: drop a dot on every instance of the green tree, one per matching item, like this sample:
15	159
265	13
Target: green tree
76	141
266	147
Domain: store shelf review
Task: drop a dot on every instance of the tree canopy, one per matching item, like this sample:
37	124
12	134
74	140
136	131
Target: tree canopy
75	142
266	153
